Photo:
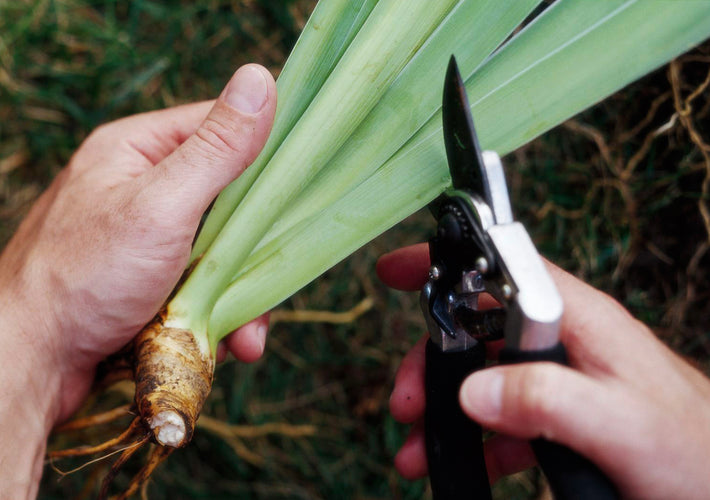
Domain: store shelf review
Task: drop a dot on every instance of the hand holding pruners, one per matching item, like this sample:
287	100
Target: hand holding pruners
479	248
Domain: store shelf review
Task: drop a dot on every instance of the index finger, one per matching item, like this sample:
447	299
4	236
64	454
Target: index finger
591	323
150	137
406	268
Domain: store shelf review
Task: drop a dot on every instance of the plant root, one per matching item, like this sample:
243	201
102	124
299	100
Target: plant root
128	443
94	420
157	456
173	379
127	454
136	428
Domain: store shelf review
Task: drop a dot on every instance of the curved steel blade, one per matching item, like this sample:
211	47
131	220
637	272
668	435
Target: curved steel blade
471	169
462	148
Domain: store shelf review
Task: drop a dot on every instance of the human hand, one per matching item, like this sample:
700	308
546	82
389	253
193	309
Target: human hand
627	403
103	247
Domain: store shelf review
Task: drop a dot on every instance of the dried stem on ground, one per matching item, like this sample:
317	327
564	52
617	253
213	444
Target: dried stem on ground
684	110
336	318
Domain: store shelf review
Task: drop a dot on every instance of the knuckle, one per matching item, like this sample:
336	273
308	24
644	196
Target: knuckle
220	139
93	149
101	135
534	391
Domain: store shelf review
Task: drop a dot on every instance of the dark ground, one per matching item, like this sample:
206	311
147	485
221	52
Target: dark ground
618	196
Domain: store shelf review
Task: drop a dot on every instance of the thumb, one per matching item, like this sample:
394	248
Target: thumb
551	401
228	140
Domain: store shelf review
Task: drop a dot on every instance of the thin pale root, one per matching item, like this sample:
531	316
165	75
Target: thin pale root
94	420
157	456
134	429
127	454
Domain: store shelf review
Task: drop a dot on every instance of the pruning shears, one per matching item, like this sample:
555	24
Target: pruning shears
479	248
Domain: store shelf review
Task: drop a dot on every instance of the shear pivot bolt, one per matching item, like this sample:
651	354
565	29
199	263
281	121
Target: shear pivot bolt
482	265
434	273
507	291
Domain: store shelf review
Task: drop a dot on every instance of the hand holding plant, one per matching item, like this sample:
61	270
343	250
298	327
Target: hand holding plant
103	248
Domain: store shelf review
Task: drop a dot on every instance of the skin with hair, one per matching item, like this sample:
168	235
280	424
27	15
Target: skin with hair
627	402
101	250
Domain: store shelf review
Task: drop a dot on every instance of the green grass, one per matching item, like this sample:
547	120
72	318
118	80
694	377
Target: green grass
67	66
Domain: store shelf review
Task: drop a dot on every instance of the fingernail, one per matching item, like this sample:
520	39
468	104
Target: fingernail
482	395
261	336
247	91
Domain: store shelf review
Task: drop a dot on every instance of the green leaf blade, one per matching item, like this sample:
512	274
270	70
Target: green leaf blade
325	38
471	31
557	67
390	37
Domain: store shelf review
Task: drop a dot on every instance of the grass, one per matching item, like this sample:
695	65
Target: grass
615	196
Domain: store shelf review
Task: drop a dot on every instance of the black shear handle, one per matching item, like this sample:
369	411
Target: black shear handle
571	476
453	441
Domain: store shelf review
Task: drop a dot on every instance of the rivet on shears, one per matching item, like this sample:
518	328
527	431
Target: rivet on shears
482	265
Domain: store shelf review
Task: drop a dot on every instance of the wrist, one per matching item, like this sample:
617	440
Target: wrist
29	391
